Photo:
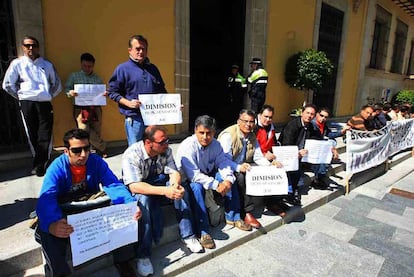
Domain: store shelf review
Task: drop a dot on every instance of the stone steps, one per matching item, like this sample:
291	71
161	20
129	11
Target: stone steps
170	257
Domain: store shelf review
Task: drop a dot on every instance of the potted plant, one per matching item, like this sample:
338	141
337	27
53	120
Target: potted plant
307	70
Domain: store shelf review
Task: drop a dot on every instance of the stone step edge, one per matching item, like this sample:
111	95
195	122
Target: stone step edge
23	258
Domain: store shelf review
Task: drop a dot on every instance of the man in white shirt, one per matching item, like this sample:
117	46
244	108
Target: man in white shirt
33	81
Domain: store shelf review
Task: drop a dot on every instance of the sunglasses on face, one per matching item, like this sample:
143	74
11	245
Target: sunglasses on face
163	142
30	45
78	150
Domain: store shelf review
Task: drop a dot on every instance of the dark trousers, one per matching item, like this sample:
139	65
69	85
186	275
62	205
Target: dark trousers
55	249
38	122
247	202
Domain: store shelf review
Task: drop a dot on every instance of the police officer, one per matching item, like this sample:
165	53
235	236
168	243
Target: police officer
258	83
236	86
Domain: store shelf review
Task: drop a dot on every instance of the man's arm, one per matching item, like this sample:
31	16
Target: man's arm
188	162
114	188
48	209
117	91
174	191
10	80
55	83
258	156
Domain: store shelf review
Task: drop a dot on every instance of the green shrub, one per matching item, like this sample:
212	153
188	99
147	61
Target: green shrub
405	96
307	70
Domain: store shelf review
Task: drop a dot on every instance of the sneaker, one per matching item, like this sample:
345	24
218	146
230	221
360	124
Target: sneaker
193	244
144	267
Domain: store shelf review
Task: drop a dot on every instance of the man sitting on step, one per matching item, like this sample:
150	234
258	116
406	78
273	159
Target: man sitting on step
149	170
72	175
240	144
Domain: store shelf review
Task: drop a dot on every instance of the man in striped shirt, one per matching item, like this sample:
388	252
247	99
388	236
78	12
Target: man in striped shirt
87	118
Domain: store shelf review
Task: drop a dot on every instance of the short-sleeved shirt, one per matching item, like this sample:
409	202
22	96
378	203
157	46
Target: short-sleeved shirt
136	163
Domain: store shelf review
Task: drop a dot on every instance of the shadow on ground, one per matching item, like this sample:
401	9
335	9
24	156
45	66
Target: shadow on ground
16	212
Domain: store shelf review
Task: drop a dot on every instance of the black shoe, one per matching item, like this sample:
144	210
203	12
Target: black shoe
40	171
294	198
125	269
324	183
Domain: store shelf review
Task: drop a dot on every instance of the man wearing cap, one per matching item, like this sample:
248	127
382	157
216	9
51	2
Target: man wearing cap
258	83
236	86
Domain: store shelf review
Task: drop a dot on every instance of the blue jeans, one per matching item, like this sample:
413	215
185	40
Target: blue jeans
231	205
151	224
320	169
134	128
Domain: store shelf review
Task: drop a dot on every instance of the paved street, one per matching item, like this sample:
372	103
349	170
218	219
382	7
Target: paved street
367	233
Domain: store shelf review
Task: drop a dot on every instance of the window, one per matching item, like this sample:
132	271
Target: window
399	47
410	67
380	39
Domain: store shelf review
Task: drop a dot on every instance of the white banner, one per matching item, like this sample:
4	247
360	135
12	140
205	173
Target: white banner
266	180
287	156
102	230
367	149
161	109
90	94
319	151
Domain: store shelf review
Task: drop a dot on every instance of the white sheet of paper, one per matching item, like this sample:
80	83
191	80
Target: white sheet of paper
161	109
90	94
287	156
99	231
266	180
319	151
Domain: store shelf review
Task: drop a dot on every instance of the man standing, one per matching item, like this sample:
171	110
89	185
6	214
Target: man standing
236	85
201	158
295	133
72	175
149	170
362	121
130	79
33	81
87	118
239	144
258	83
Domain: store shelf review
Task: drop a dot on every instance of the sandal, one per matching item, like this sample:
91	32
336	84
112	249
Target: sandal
207	242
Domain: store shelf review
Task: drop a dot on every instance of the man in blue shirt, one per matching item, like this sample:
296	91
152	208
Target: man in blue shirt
74	174
130	79
203	161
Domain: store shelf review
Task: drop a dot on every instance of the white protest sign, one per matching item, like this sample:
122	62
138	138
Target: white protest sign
102	230
266	180
319	151
161	109
90	94
287	156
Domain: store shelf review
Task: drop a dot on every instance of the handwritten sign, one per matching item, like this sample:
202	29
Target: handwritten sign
287	156
102	230
266	180
319	151
90	94
161	109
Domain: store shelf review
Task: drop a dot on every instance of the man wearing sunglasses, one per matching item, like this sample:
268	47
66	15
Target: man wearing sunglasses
320	125
33	81
149	170
70	177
